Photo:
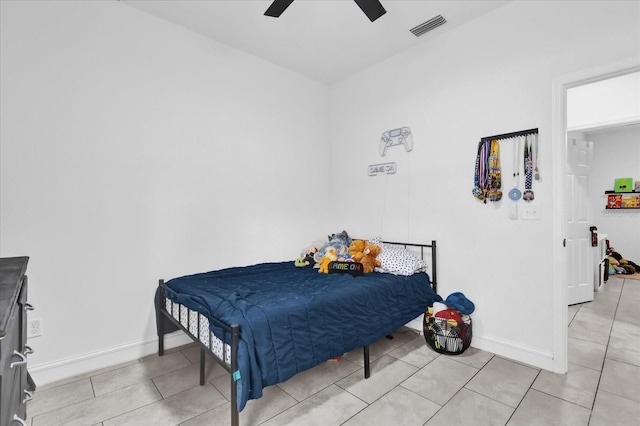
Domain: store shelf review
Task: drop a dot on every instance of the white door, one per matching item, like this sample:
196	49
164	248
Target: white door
578	214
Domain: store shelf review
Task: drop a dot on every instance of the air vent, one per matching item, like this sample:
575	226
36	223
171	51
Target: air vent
428	26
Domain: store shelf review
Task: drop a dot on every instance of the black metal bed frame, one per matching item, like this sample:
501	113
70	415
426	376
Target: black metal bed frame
231	333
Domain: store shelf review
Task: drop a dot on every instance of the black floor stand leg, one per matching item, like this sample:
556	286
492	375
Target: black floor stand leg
367	368
202	355
160	321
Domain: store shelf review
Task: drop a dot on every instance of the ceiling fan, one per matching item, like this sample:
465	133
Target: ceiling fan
372	8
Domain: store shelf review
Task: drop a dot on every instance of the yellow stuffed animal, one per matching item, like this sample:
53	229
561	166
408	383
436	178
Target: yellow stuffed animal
369	261
330	256
356	249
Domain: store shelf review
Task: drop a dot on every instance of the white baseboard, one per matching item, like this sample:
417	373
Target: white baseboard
504	348
65	368
54	371
514	351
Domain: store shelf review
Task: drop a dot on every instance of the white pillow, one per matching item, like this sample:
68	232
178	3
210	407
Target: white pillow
398	260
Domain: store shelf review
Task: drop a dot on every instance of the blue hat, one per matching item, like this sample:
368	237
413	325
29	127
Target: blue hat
461	303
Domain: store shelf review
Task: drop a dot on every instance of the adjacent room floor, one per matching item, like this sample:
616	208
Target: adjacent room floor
410	384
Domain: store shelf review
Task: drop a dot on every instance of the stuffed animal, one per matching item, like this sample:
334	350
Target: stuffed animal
613	263
356	249
305	262
339	242
620	265
308	253
312	249
368	260
331	255
628	266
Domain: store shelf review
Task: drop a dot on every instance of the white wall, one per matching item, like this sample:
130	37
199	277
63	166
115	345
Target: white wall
604	103
133	150
491	76
616	154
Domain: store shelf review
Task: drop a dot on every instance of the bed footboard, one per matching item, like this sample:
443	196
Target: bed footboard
196	326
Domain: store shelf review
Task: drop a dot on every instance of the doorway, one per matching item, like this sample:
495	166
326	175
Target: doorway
560	87
595	109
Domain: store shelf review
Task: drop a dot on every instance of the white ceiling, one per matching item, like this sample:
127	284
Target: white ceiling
323	39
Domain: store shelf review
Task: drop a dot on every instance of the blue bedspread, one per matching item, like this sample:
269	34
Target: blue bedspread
292	319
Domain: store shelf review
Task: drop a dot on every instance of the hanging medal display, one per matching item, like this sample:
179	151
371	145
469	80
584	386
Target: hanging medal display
484	167
515	194
495	178
528	171
477	191
481	179
536	174
487	184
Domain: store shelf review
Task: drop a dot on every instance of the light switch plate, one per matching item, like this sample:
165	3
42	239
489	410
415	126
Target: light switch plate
513	210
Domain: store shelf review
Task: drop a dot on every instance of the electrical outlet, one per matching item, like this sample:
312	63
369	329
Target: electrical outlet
34	328
531	212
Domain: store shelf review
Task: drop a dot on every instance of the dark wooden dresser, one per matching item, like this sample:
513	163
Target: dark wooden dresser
16	386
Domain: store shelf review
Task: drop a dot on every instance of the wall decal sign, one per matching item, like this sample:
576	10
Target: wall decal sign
382	169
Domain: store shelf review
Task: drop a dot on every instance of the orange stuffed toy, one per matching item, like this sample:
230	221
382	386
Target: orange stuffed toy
330	256
356	249
369	261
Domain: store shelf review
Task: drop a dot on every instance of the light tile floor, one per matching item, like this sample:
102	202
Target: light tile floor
410	384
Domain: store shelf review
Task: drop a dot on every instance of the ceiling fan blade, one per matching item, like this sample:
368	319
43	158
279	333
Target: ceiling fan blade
372	8
277	7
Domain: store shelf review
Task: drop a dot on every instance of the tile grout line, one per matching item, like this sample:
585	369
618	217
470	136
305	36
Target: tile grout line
606	350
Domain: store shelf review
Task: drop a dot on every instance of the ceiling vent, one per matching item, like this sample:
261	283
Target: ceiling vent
428	26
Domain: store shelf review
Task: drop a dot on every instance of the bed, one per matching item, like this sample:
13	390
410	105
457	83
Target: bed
265	323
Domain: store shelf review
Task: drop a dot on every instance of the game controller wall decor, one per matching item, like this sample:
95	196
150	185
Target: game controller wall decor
400	136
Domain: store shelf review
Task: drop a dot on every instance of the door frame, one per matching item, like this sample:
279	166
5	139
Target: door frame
560	85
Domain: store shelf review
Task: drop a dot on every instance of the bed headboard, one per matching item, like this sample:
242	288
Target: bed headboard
421	248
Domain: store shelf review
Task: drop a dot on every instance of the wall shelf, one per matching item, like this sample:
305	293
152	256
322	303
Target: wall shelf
622	200
622	208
